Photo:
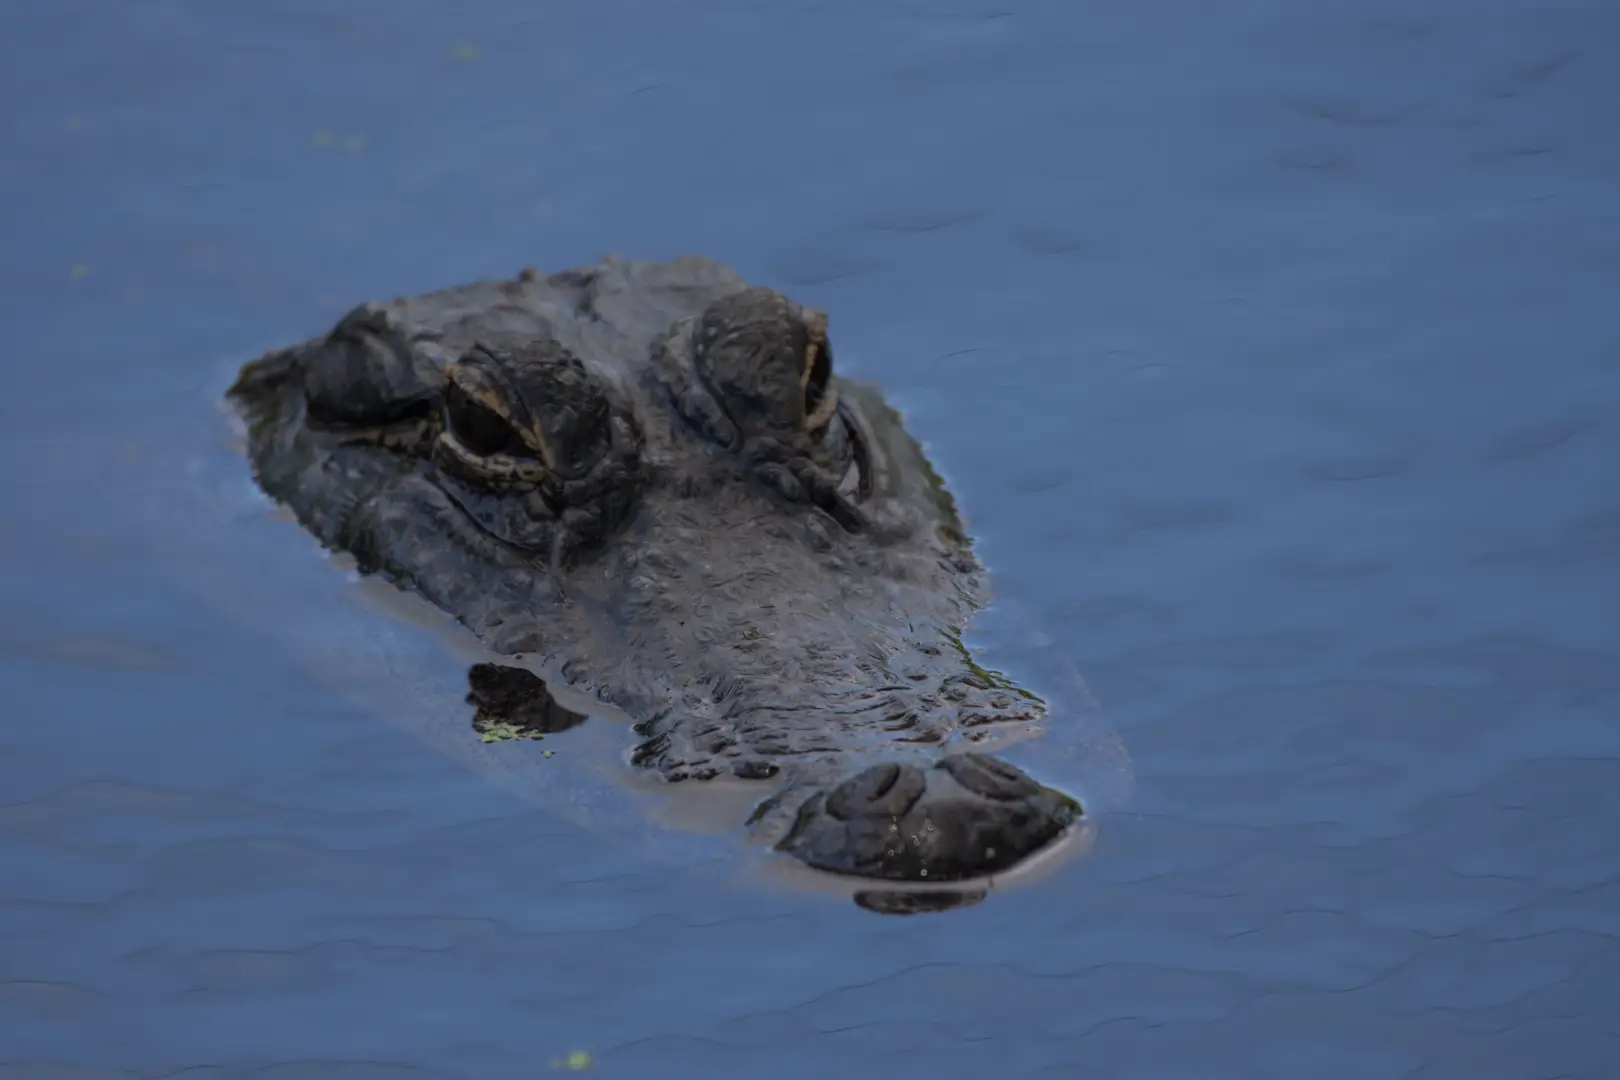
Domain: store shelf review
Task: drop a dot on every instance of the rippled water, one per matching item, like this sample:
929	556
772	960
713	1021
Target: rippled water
1272	348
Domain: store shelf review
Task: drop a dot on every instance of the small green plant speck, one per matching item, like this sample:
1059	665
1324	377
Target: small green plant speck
578	1060
503	732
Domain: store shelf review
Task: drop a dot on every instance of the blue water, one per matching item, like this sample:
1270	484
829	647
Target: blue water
1272	347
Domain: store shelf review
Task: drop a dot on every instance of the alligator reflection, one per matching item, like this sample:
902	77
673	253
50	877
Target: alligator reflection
900	902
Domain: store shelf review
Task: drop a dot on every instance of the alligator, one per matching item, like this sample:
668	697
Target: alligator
645	478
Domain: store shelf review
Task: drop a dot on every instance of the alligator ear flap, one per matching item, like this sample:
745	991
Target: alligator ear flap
366	374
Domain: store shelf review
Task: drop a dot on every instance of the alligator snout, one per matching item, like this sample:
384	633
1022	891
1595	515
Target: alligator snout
964	816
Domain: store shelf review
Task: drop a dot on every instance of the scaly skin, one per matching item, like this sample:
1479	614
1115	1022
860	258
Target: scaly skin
645	476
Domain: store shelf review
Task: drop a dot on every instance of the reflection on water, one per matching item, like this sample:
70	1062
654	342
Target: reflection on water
1270	346
911	902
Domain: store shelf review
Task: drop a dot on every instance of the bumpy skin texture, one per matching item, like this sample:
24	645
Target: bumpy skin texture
645	475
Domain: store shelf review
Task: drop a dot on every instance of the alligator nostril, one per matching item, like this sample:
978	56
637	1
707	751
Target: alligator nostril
885	783
887	790
989	777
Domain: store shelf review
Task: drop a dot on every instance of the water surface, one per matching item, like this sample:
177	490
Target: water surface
1271	348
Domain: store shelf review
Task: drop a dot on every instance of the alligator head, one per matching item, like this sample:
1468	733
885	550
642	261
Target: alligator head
646	477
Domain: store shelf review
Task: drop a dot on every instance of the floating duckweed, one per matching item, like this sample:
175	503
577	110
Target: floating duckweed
501	731
576	1060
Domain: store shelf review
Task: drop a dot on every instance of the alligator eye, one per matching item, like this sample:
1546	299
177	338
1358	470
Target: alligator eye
479	428
767	363
564	406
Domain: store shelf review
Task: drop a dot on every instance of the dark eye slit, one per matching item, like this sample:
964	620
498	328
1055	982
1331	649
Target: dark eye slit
862	455
820	375
479	428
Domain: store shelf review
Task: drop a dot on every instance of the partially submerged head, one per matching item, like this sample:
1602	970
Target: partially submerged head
689	517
